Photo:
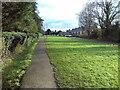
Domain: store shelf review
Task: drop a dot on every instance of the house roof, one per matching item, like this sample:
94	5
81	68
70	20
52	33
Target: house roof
77	29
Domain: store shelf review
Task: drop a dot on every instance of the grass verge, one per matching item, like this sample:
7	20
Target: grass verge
13	72
83	64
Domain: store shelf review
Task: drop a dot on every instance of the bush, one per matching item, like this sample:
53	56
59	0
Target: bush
12	39
115	33
94	35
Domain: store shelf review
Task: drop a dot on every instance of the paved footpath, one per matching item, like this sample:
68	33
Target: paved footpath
94	41
40	72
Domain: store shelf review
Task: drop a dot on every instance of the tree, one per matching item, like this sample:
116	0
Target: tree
39	22
20	17
59	32
48	32
115	33
106	12
94	33
86	18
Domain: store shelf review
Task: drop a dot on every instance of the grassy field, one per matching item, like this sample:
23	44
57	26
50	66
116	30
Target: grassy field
83	64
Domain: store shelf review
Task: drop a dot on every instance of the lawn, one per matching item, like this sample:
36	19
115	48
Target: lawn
83	64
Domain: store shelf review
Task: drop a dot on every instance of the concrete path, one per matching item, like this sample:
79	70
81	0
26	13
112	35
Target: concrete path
94	41
40	72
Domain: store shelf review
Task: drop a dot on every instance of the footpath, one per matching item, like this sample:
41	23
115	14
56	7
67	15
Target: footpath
40	72
94	41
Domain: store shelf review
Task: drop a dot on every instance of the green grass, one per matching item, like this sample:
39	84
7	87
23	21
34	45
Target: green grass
13	71
83	64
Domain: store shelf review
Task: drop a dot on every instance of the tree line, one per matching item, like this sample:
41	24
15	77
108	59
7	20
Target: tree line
101	19
49	32
20	17
21	28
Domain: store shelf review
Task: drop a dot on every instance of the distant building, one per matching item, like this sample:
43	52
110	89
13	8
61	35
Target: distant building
77	31
63	33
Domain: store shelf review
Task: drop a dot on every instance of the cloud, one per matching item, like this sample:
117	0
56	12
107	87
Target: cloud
61	24
60	13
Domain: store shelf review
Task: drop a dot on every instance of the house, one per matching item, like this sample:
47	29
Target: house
77	31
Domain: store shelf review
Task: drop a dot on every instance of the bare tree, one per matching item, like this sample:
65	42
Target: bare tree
86	18
106	11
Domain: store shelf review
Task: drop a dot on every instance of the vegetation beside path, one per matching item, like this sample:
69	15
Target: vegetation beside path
83	64
14	70
21	29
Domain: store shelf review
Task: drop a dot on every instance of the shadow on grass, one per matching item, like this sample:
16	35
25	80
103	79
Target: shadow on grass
78	42
81	47
102	51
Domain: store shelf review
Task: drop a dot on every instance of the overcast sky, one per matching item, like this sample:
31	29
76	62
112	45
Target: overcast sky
60	14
